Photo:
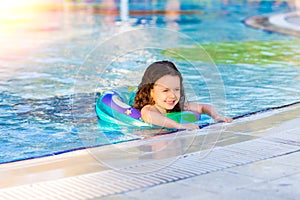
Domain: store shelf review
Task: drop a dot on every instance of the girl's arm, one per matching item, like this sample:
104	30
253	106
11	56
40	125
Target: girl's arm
207	109
152	116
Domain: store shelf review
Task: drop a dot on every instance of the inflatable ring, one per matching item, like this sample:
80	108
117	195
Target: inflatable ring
115	106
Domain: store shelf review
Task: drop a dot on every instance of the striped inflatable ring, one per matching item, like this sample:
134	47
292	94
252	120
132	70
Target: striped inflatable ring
115	106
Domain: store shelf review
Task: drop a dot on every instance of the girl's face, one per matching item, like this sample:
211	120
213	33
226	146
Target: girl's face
166	93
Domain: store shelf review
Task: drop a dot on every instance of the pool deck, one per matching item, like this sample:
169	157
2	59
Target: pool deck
255	157
284	23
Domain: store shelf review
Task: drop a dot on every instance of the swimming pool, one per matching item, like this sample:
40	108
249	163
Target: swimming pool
48	83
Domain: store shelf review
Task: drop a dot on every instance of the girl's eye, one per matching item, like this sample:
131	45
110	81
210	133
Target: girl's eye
177	89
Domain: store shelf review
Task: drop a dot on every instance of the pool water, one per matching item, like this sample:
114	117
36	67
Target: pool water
56	59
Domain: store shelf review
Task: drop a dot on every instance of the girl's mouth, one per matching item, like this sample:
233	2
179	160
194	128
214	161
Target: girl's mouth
170	103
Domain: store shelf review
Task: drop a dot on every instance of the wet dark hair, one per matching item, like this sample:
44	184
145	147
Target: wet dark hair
154	72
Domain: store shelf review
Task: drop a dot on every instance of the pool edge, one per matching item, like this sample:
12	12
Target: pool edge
275	23
85	161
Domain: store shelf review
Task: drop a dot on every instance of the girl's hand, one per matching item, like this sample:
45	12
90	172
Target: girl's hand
207	109
188	126
223	119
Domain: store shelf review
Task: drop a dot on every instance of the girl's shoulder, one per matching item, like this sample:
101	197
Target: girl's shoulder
193	106
148	108
188	105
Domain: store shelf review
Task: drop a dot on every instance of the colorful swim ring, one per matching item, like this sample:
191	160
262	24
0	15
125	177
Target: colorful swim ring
115	106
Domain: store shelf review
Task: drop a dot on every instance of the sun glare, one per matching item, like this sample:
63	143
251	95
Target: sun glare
17	14
15	11
16	5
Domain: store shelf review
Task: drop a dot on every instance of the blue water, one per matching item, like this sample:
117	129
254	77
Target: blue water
53	66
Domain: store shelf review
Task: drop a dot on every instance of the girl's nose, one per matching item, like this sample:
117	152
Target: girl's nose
171	94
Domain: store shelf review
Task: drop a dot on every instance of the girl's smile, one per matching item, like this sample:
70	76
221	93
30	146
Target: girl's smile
166	93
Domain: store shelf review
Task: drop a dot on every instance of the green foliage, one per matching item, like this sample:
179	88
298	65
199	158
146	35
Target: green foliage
246	52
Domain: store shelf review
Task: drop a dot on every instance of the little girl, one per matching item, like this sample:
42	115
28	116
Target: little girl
161	91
